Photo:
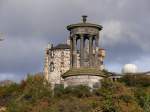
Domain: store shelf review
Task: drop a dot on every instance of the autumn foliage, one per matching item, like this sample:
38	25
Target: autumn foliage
129	94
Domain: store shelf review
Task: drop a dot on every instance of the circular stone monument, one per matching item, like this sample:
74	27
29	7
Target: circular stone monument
84	40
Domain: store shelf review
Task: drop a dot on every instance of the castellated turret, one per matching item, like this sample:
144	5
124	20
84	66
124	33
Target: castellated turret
79	61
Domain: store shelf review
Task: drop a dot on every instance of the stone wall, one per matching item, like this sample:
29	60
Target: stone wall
46	64
61	63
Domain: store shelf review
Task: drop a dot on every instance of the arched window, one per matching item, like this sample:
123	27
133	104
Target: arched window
62	54
51	53
51	67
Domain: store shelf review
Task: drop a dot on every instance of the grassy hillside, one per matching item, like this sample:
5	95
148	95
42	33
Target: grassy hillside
129	94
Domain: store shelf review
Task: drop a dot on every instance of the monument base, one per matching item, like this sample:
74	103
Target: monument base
83	76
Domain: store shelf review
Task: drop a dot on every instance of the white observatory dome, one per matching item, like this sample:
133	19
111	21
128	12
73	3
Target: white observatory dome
129	68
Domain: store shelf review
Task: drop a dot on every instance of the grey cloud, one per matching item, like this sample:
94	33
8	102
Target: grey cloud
21	56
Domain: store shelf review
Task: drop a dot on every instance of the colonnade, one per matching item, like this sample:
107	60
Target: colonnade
93	44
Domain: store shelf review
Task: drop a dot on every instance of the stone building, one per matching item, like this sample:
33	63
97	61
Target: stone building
80	60
57	62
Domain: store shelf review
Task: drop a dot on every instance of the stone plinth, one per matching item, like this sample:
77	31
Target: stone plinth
83	76
86	80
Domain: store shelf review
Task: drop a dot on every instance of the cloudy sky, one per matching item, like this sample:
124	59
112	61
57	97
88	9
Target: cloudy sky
28	26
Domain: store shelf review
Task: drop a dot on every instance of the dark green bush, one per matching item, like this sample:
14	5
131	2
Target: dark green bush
136	80
34	88
78	91
143	98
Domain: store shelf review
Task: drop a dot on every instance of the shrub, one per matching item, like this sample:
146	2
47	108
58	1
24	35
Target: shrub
143	98
59	91
34	88
136	80
78	91
116	97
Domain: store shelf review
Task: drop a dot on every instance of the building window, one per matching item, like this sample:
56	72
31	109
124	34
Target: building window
62	59
51	54
62	54
62	64
51	67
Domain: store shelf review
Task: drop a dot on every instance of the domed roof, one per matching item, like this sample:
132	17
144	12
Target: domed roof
62	46
85	71
84	24
129	68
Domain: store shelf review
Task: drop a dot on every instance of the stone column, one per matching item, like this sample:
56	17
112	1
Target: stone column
97	41
81	50
96	51
75	51
71	52
90	50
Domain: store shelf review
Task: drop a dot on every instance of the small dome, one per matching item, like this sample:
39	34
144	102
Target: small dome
129	68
